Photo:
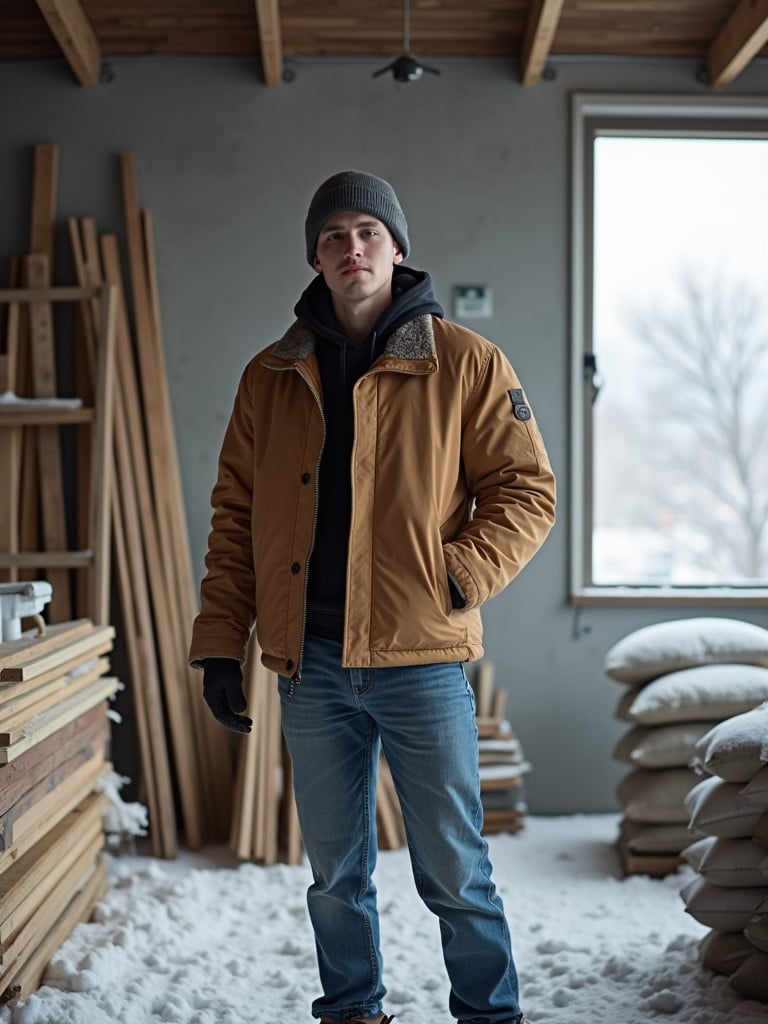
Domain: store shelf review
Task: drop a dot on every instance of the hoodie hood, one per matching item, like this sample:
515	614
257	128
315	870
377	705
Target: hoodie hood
413	295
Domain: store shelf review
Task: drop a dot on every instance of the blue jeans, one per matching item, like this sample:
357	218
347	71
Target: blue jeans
424	719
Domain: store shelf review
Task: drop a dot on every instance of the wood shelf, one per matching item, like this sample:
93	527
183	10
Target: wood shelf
28	416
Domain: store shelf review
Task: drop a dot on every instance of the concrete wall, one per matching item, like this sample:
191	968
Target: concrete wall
481	165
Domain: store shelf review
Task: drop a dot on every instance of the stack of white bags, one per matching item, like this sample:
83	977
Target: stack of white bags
681	678
729	808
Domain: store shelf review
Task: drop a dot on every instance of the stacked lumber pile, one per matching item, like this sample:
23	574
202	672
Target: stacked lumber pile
681	677
134	498
502	761
54	735
729	810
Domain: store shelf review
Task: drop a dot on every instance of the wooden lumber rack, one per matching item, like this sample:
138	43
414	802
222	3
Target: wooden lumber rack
45	415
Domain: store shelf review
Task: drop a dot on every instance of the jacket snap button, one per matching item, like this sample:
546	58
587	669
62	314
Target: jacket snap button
305	478
288	665
295	568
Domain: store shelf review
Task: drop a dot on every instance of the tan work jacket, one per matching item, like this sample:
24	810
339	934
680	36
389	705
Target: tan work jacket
449	476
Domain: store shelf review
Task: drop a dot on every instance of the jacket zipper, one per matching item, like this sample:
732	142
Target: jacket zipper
295	679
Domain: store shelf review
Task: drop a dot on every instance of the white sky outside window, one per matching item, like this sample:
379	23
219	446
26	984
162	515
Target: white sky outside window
668	505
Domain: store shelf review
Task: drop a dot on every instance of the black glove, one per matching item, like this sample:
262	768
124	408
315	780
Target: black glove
223	692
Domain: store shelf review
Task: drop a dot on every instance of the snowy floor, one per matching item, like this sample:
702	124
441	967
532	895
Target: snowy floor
180	943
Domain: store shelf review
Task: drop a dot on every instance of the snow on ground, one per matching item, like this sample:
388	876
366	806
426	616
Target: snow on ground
185	944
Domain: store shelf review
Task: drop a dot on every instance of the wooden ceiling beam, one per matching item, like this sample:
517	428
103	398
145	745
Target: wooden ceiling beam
270	40
743	35
73	32
540	28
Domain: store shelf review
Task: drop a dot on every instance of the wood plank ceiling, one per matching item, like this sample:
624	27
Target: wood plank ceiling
725	34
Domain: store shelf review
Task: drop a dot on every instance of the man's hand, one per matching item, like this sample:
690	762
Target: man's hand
223	692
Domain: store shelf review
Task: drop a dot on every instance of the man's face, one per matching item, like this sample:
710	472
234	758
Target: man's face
355	254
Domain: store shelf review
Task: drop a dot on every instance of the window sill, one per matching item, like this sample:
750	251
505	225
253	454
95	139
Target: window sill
680	596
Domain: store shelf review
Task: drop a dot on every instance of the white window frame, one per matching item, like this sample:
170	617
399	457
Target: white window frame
660	115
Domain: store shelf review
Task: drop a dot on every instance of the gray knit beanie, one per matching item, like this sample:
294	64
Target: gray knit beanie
355	190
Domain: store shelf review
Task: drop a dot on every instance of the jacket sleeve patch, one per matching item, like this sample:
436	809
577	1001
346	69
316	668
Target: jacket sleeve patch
519	408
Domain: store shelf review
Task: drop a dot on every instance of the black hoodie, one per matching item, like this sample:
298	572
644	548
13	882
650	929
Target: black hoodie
342	362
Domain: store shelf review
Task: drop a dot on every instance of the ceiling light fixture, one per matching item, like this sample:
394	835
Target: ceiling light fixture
406	68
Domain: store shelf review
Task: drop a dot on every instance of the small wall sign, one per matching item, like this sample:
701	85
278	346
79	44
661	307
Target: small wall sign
471	301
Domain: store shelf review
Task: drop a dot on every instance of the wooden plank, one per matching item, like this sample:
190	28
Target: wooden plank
270	40
48	293
272	781
540	29
27	415
82	737
389	818
45	176
244	806
53	560
484	674
50	721
291	828
37	666
84	348
499	703
73	32
260	717
41	240
48	440
91	888
10	439
15	719
101	456
32	644
740	39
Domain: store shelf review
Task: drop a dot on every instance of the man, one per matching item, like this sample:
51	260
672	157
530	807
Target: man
380	478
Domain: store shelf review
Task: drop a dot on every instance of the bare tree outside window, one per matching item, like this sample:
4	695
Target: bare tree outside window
710	348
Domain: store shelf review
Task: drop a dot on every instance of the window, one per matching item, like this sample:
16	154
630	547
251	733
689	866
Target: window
670	349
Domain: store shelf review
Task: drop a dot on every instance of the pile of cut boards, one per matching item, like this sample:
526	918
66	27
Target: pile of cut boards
502	761
54	735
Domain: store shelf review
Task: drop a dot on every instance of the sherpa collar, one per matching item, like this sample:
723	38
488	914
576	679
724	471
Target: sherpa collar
413	340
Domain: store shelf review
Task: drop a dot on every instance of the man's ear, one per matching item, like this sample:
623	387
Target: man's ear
398	257
316	263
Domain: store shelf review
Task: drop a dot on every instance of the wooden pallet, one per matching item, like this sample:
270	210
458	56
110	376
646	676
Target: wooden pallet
656	865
